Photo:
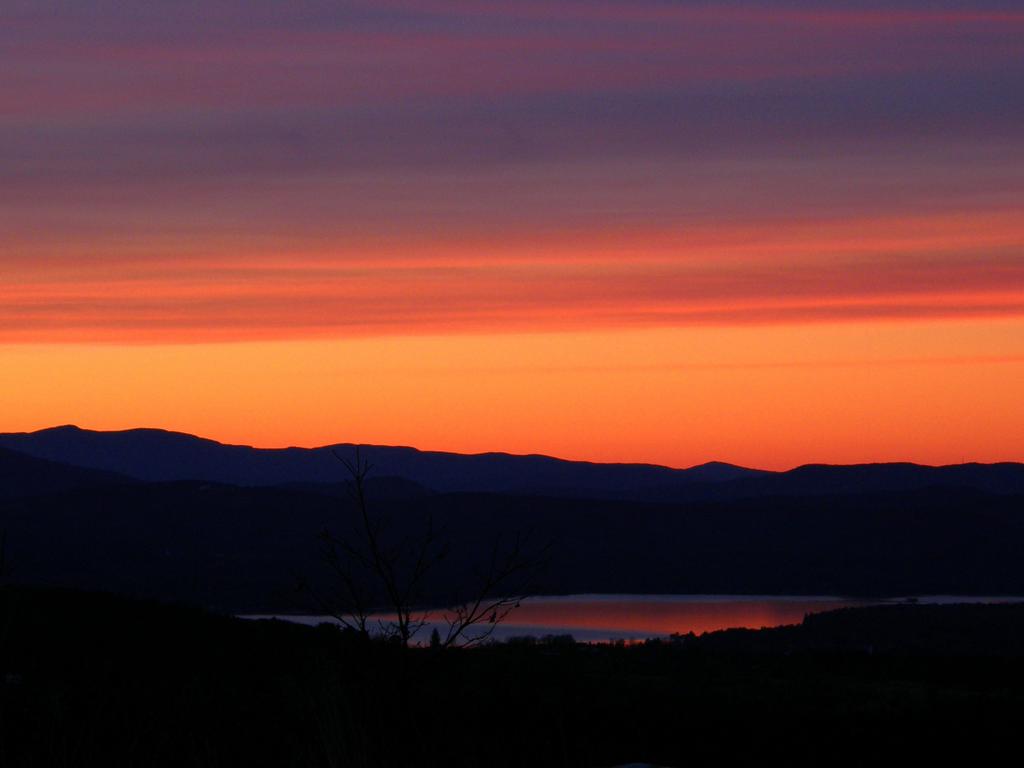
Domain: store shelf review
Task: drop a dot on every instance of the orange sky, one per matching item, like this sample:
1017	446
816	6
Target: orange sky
774	397
768	344
767	234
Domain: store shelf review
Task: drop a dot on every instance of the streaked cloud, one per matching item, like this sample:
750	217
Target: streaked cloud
226	169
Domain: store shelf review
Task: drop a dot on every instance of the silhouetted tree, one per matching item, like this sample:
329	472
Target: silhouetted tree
500	586
375	572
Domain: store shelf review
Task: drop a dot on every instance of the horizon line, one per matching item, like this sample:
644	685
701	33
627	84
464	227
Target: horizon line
178	432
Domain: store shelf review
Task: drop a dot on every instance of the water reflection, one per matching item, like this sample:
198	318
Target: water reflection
602	618
644	616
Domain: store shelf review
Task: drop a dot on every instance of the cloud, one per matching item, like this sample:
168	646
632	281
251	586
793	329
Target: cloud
157	58
195	170
286	300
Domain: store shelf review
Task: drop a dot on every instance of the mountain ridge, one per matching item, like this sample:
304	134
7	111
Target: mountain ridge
820	529
156	455
24	475
157	431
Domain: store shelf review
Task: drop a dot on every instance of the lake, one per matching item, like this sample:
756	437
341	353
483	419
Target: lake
603	618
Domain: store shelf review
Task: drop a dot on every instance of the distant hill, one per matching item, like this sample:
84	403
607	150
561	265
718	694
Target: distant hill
816	479
158	456
23	475
177	517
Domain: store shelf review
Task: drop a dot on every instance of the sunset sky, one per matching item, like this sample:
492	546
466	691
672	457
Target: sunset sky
769	233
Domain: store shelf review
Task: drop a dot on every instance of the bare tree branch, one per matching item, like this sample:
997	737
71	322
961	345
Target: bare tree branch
372	575
501	589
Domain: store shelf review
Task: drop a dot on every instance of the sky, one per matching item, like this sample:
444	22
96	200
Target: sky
672	231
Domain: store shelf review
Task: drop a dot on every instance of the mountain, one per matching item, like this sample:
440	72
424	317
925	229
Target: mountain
23	475
153	455
178	517
157	456
818	479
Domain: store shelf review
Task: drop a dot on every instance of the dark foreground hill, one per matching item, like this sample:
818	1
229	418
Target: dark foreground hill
93	680
245	549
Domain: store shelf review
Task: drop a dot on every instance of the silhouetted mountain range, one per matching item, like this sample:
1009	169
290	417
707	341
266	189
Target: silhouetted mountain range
243	548
874	529
158	456
24	475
